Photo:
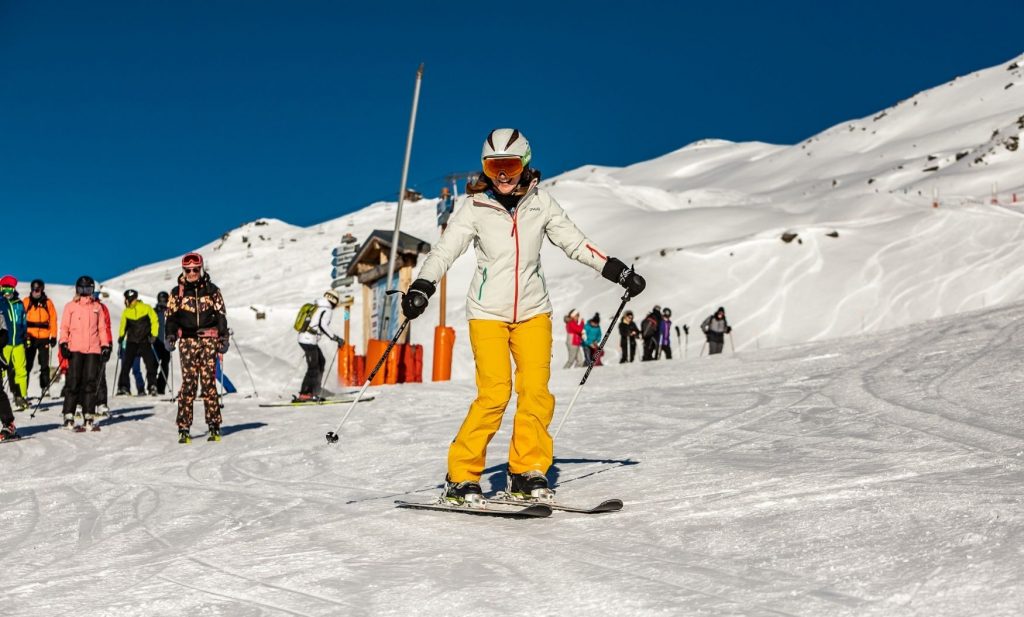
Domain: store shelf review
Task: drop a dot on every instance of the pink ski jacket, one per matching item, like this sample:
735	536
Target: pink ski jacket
82	327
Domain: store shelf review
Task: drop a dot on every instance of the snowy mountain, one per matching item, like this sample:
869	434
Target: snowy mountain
703	224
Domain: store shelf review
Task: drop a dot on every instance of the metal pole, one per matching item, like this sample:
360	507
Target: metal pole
401	200
323	382
238	348
731	344
599	351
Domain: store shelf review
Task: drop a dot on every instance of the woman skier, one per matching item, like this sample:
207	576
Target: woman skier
507	217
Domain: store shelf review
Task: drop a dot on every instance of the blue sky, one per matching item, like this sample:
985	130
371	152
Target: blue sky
134	131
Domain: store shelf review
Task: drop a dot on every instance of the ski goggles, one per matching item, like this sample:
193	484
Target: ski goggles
6	290
510	166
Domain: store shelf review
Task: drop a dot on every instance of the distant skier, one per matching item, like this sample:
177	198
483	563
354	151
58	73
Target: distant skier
160	349
574	339
628	333
85	342
666	333
506	217
650	330
715	327
41	340
17	329
197	321
139	327
309	341
591	339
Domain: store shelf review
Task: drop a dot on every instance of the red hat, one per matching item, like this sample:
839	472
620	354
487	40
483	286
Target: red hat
8	281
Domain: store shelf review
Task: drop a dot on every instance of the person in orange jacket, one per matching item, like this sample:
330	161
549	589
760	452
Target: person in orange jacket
41	316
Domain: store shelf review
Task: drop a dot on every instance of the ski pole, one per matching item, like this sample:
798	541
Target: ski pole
332	437
702	349
40	401
117	361
323	382
686	346
156	357
244	363
731	345
598	352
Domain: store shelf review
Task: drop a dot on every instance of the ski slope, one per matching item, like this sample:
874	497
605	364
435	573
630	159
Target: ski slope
876	475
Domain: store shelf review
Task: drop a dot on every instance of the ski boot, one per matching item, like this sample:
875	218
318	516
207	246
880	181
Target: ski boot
69	422
530	485
462	492
87	427
20	404
9	433
121	392
152	390
184	436
214	433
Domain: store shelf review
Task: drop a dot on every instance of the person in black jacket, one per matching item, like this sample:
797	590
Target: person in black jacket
628	333
650	330
163	354
715	328
197	322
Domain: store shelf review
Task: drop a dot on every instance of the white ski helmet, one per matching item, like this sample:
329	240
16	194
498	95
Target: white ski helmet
332	296
507	143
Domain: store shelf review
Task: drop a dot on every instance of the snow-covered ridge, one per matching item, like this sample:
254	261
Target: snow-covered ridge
703	223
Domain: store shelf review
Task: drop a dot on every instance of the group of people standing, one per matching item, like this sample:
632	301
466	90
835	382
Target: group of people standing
654	335
191	317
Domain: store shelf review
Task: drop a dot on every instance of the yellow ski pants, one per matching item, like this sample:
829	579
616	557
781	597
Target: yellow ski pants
495	344
14	355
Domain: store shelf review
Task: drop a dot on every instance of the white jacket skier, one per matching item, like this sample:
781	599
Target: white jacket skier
320	324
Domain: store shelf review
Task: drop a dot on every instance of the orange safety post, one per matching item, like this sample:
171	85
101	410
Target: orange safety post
346	366
391	365
359	369
444	342
374	351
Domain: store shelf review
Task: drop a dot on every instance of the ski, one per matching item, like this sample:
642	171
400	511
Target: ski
608	505
332	401
15	439
537	510
82	429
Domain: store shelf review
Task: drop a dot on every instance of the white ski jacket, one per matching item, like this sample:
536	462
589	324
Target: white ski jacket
319	324
509	283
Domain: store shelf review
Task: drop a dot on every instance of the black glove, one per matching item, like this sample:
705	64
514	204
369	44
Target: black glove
152	339
171	339
65	351
617	272
222	344
120	341
337	339
105	353
728	329
414	302
53	342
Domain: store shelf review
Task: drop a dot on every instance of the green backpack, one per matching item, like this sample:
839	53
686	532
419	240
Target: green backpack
305	315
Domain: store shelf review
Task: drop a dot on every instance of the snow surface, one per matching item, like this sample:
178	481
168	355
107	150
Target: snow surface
877	475
861	454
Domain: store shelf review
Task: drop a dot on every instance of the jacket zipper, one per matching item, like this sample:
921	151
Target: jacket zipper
515	235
